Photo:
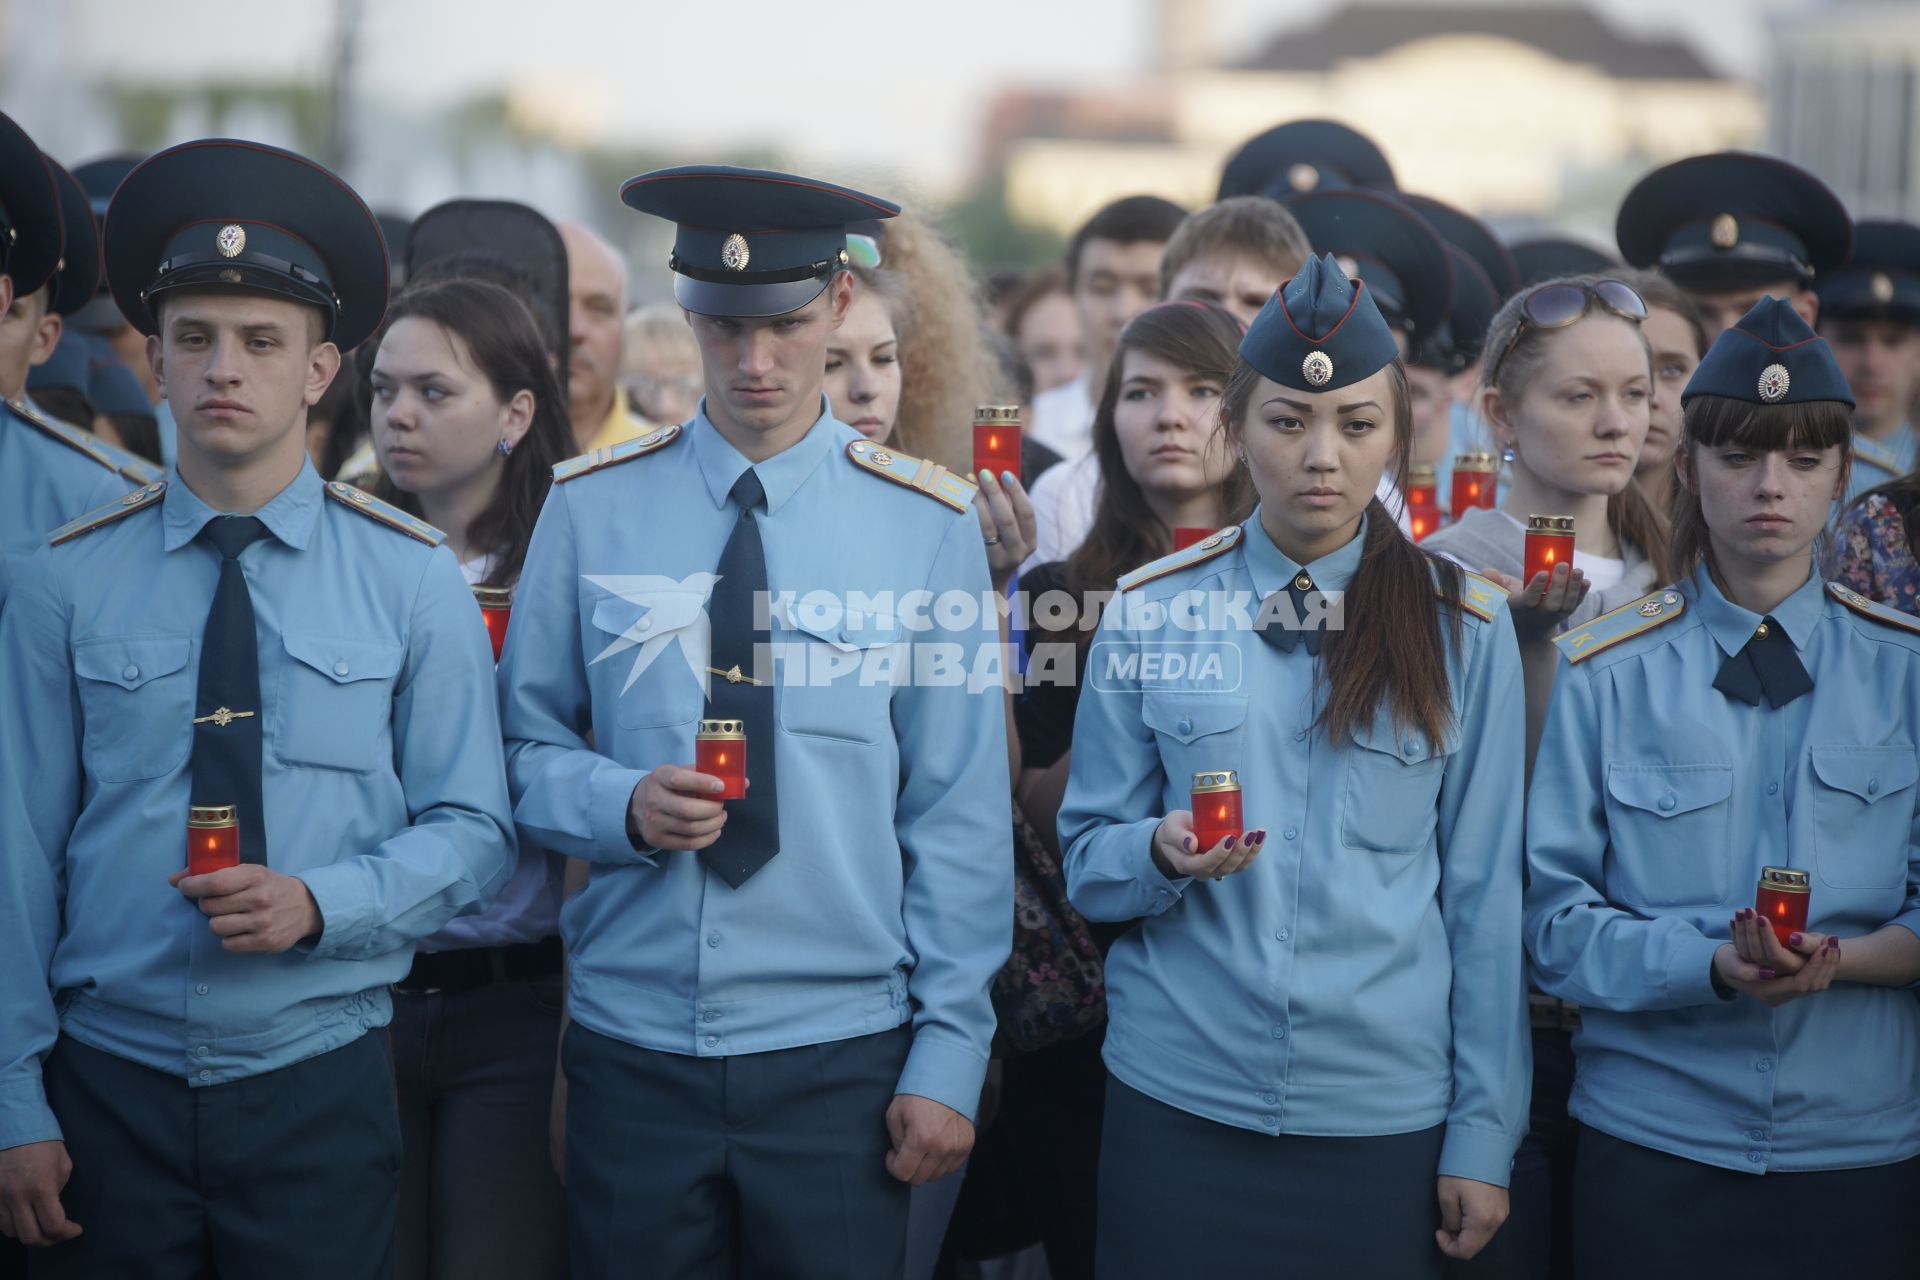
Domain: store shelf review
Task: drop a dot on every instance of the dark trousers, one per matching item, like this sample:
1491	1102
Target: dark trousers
1183	1196
764	1165
1536	1241
1051	1104
288	1174
479	1199
1640	1212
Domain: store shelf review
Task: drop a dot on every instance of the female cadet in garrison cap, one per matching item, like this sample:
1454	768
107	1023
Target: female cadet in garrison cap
1746	1088
1317	1036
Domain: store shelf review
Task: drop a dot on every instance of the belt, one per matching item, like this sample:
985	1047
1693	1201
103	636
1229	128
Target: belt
436	971
1551	1014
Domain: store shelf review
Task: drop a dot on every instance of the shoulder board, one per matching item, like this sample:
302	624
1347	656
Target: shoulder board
1624	623
74	438
132	466
1870	451
930	478
1867	608
1478	596
387	514
614	454
1207	548
138	500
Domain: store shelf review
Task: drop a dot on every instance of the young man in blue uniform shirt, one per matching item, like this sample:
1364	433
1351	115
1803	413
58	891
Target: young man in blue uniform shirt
1870	316
186	1082
779	1005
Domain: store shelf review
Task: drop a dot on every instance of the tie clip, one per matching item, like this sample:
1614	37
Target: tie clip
222	717
733	675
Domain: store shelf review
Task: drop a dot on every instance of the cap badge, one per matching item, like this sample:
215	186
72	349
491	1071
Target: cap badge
1725	232
1881	286
231	240
734	254
1774	382
1317	368
1303	177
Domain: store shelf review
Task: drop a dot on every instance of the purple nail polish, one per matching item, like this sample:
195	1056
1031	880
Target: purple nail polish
1796	939
1187	844
1229	844
1766	975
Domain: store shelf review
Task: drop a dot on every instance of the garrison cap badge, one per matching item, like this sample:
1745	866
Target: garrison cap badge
1775	382
1770	357
1317	368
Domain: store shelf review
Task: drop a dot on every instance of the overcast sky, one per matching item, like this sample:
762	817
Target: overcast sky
897	83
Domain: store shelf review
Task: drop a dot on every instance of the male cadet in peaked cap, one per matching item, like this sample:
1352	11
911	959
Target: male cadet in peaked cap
239	655
1731	228
1870	316
780	1013
1305	155
50	472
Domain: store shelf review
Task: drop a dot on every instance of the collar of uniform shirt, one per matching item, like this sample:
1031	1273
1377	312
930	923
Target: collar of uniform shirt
780	475
1732	626
1272	571
290	517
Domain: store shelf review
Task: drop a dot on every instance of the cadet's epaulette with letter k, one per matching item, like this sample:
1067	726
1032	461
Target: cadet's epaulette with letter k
1214	544
1624	623
924	475
614	454
1478	596
138	500
387	514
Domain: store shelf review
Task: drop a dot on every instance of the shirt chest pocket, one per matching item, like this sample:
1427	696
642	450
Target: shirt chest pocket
136	702
1863	801
662	693
1669	828
1392	789
837	681
1197	733
335	709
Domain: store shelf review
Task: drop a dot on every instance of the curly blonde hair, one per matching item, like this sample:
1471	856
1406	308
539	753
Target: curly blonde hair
947	366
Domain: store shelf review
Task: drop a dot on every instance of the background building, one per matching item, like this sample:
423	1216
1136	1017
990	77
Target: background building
1844	101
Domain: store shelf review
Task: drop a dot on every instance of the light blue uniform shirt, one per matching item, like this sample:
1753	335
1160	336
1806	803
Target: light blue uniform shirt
1364	977
382	779
1656	800
1875	462
892	895
45	482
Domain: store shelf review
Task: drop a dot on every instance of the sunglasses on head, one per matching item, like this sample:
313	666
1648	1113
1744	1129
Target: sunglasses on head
863	249
1555	306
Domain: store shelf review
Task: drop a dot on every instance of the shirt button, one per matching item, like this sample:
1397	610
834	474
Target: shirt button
645	624
340	668
1283	934
1269	1121
200	990
713	939
1279	1033
712	1041
203	1051
1667	801
1290	832
1270	1098
1186	726
206	1075
131	673
1873	786
1758	1135
1773	788
1753	1157
1763	1066
708	1016
1300	736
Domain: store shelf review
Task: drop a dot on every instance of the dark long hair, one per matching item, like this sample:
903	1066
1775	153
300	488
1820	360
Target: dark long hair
1392	649
1717	422
1195	336
507	346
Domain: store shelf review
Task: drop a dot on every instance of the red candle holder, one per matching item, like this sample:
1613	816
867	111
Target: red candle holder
720	750
1423	501
1185	536
1549	543
1216	808
996	439
496	604
1474	482
213	838
1782	900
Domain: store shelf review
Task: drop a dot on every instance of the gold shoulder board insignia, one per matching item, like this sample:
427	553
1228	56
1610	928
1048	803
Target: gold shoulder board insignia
74	438
929	477
1624	623
1870	451
1478	596
614	454
138	500
391	516
1867	608
1214	544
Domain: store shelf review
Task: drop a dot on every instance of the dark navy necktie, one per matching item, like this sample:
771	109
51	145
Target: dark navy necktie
1766	666
227	715
738	690
1275	630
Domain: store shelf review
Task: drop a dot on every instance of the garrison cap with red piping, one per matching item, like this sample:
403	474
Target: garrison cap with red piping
1320	331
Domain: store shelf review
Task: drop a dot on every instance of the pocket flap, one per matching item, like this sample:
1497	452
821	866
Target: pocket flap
1871	773
1410	746
854	631
1670	790
1186	716
345	661
614	615
130	662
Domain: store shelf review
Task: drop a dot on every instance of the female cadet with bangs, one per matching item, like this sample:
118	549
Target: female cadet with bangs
468	422
1746	1093
1316	1035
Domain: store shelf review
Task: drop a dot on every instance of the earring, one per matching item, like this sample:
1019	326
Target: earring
1506	455
504	449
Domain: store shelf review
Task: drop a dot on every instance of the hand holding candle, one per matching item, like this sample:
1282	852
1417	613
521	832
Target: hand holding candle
1782	900
1549	544
213	838
720	750
996	438
1216	807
